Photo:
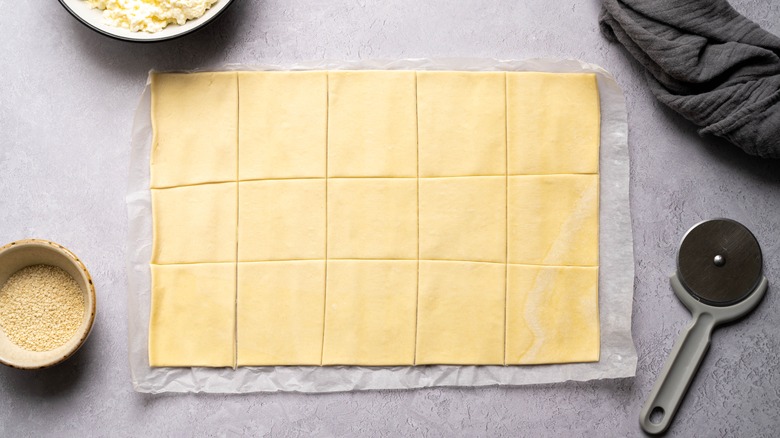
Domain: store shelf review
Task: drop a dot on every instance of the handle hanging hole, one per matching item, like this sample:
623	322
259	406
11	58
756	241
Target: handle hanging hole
656	415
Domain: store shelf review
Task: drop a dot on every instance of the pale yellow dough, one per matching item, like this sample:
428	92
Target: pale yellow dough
462	123
370	313
195	128
374	218
372	123
553	123
280	311
194	224
553	220
192	318
281	220
463	219
283	127
552	315
461	313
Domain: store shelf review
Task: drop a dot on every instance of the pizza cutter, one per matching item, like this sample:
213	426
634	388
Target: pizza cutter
719	279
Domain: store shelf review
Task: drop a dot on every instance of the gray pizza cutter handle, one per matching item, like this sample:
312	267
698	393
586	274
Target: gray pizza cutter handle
688	352
678	372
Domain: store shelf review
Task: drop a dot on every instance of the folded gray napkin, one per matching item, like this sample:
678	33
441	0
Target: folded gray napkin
707	62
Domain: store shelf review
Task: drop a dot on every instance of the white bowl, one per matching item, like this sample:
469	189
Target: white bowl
93	18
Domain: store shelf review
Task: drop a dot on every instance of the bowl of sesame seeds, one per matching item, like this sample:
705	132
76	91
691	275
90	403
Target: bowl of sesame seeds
47	304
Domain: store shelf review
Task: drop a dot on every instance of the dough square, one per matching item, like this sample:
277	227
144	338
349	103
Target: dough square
553	123
370	313
554	220
372	218
461	313
195	128
192	320
280	313
462	117
281	220
194	224
283	124
552	315
463	219
372	123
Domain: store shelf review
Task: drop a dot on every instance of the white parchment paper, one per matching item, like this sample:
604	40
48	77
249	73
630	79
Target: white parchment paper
616	274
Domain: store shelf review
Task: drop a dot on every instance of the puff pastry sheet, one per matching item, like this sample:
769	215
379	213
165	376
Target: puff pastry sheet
374	218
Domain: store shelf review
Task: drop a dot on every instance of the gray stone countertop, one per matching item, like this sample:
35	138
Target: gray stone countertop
67	97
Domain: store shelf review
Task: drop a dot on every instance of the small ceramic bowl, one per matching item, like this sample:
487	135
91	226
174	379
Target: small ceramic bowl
22	253
93	18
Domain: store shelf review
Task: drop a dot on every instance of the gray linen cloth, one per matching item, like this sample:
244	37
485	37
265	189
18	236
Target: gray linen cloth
707	62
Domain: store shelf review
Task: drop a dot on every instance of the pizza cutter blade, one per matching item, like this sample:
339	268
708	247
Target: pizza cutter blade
719	279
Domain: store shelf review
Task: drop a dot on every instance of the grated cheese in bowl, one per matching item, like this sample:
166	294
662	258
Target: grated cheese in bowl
150	15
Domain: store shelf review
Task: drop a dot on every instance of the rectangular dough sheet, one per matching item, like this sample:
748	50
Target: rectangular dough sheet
374	218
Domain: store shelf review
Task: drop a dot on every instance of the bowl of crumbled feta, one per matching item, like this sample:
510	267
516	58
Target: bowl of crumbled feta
145	20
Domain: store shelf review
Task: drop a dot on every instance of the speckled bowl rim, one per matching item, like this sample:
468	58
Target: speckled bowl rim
90	291
199	26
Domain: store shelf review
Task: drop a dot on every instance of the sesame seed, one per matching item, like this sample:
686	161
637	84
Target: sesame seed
41	307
